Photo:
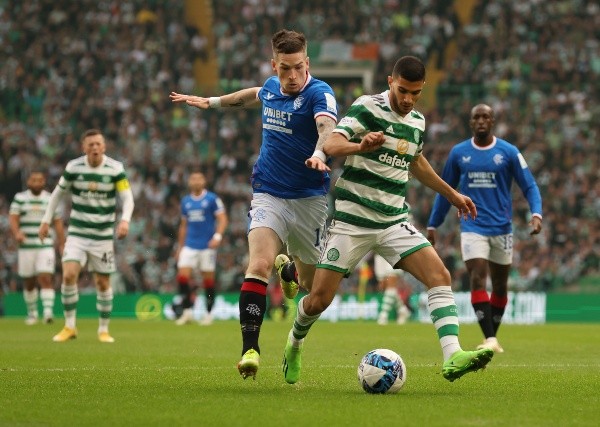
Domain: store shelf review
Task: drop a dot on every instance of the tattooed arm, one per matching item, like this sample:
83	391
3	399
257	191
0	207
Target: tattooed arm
242	98
325	125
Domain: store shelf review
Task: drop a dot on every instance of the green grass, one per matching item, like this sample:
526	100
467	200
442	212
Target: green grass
158	374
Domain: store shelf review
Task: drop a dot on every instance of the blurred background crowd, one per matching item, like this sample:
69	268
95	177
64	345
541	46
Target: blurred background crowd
68	66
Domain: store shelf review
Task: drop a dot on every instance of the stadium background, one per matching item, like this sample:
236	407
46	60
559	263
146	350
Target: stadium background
67	66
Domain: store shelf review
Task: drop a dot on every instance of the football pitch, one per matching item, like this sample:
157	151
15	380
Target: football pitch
159	374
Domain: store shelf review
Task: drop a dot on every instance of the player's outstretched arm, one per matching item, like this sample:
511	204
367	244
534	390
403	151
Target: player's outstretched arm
337	145
194	101
422	170
242	98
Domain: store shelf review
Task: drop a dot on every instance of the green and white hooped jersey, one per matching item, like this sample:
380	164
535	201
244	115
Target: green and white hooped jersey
371	190
94	192
30	209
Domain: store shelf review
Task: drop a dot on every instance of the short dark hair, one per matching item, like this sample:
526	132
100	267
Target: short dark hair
37	170
90	132
287	41
410	68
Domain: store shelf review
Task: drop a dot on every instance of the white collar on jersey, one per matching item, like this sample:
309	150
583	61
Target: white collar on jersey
308	79
198	197
487	147
85	159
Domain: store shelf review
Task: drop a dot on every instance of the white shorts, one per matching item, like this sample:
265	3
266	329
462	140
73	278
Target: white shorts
298	222
498	249
383	269
347	244
204	260
36	261
98	254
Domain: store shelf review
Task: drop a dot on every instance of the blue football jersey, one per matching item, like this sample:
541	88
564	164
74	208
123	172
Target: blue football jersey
485	174
200	214
289	136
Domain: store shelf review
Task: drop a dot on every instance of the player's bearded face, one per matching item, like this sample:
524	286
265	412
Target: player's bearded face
292	70
36	183
404	94
94	147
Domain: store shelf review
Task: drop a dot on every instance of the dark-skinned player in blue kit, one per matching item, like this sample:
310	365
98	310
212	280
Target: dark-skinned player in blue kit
483	167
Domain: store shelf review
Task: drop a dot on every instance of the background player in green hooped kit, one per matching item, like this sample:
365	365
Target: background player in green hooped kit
36	259
93	180
383	138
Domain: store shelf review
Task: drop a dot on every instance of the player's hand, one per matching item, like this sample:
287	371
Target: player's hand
20	236
466	207
317	164
371	142
194	101
431	236
536	225
122	229
43	231
214	243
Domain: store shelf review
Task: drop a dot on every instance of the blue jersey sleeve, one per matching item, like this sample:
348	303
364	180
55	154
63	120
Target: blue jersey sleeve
324	102
441	205
526	183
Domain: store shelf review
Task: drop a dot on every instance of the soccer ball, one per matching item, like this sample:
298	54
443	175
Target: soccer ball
381	371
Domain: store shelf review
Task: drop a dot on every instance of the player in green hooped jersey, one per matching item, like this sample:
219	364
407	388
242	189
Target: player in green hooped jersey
382	137
94	181
36	259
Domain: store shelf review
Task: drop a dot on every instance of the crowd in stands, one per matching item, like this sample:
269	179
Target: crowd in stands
68	66
538	65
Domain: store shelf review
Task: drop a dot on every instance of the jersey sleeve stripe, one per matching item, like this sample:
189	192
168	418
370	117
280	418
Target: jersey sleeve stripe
324	113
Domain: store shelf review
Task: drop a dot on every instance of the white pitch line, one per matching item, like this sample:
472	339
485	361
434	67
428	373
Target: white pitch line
206	368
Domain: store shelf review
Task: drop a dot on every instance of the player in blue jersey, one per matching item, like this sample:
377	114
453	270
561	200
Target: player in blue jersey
483	167
203	222
289	179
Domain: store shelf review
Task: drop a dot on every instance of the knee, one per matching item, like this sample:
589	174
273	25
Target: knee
102	285
478	280
69	277
441	276
260	267
45	281
316	303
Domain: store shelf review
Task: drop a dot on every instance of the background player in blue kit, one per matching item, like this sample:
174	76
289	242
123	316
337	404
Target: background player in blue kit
289	179
203	222
483	167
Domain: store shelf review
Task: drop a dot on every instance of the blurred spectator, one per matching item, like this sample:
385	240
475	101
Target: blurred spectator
537	63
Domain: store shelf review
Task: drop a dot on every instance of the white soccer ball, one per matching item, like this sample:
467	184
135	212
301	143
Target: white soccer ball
381	371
